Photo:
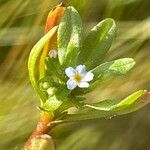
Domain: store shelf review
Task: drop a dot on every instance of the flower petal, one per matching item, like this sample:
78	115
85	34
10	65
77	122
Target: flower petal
70	72
81	69
83	85
71	84
88	77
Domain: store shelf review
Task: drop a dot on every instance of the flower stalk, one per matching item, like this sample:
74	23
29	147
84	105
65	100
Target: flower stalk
69	66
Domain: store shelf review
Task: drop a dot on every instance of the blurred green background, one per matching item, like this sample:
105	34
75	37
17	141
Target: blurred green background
22	25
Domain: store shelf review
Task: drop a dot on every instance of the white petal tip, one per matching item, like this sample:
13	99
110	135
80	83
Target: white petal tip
83	85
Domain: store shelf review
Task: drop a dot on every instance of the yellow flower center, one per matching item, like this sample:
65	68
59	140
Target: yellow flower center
77	77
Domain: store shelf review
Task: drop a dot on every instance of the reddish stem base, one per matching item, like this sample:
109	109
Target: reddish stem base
39	138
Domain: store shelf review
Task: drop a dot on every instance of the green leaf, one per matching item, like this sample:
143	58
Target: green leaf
113	68
113	105
106	72
53	68
97	43
34	59
58	97
78	101
69	37
51	104
110	109
122	66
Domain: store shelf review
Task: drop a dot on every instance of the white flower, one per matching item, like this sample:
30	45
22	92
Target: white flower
78	77
53	53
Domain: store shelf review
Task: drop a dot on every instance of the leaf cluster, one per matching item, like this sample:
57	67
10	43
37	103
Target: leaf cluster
74	48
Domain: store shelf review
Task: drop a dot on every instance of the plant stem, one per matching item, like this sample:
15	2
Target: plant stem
39	140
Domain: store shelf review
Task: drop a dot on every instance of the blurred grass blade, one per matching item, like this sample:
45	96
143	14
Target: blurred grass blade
69	37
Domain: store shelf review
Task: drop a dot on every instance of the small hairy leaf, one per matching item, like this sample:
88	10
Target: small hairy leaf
53	68
97	43
51	104
113	68
122	66
69	37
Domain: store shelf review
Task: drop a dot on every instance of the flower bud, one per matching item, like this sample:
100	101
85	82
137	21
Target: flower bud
53	19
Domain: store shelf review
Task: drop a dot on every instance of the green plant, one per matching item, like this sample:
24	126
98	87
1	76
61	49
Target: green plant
65	65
